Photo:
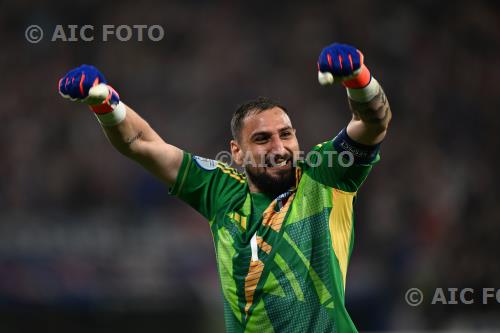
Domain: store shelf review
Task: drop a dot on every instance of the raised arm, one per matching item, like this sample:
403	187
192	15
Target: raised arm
130	134
370	119
367	101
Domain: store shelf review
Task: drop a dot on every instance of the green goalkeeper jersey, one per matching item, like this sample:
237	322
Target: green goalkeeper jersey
282	261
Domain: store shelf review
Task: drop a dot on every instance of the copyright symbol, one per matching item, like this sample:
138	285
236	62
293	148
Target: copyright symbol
33	34
414	297
224	157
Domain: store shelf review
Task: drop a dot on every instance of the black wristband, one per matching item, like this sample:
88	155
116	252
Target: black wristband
363	154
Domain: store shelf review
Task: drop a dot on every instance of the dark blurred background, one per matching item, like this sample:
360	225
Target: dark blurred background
90	242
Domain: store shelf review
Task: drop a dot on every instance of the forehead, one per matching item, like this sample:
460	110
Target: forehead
270	120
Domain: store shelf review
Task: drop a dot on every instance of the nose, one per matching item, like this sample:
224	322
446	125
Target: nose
277	147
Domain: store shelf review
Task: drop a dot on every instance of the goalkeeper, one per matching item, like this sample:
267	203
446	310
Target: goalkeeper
283	229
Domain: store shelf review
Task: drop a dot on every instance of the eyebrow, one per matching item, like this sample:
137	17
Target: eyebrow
267	132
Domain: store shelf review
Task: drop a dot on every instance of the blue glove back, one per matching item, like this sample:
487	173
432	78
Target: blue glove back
76	84
340	60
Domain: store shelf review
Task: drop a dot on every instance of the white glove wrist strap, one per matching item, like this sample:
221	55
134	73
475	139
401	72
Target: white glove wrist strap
114	117
365	94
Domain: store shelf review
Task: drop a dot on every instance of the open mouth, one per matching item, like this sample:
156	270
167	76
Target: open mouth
283	163
279	164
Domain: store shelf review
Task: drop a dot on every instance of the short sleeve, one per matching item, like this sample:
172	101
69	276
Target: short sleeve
335	165
206	185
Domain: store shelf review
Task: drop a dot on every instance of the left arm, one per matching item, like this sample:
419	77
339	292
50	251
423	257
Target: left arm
371	112
370	120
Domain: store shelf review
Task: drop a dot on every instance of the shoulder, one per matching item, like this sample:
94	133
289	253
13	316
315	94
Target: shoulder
197	171
231	172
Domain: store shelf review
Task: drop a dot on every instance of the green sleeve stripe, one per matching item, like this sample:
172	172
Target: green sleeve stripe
290	276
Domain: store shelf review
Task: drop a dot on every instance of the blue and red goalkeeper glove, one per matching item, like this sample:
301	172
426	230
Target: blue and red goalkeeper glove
86	84
344	63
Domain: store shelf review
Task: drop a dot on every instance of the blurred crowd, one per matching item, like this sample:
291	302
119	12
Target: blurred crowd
83	228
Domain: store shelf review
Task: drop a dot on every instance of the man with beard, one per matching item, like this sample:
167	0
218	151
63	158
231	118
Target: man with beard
283	229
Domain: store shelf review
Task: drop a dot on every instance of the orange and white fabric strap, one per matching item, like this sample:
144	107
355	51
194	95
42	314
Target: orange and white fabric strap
365	94
113	118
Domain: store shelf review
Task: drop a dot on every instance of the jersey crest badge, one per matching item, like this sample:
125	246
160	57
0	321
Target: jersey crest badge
205	163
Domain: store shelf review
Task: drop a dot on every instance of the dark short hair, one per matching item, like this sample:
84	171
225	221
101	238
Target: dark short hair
253	106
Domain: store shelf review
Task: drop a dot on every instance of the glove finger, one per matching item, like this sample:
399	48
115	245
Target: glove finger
345	65
336	62
323	64
350	58
66	83
60	87
73	87
63	91
87	82
91	76
357	59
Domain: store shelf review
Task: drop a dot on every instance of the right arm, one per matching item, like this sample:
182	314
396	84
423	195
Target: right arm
134	138
130	134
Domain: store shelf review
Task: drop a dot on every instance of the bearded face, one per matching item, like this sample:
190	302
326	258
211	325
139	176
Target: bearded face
273	178
266	150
